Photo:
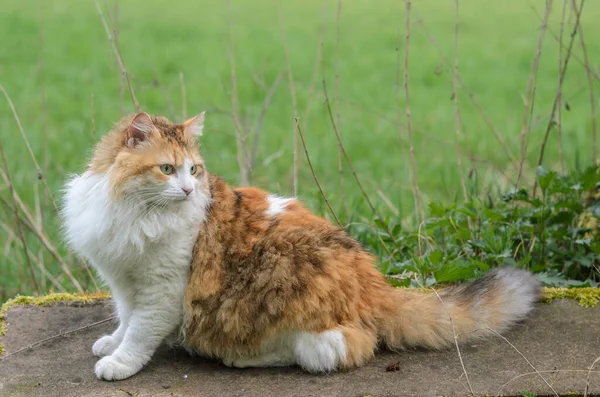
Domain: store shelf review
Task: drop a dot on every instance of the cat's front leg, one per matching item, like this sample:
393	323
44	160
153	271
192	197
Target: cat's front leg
107	344
152	319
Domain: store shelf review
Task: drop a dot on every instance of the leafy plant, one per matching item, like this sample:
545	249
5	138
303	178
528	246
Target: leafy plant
544	234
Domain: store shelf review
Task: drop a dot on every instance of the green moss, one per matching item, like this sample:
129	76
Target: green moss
586	297
41	301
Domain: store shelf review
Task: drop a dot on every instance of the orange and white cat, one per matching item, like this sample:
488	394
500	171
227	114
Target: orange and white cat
244	276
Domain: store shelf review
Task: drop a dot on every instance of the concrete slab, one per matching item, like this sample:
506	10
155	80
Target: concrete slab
561	336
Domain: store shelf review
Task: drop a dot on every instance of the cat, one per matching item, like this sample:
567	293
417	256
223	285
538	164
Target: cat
244	276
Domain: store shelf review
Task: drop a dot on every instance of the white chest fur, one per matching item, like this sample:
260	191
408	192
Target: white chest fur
130	240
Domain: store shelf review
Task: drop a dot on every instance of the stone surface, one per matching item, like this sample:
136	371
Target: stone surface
560	336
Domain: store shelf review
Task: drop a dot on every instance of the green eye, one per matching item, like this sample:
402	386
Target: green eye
193	169
167	169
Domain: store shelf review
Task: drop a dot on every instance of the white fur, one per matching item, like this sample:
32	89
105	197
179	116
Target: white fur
195	126
519	292
277	204
141	246
315	352
321	352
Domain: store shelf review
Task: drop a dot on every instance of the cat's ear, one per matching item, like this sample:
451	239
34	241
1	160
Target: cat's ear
141	126
195	125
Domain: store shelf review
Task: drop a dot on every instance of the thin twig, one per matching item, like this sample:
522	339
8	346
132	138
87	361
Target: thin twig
41	175
294	103
399	117
38	204
18	220
588	70
556	98
587	378
63	334
473	99
559	90
242	155
31	224
549	371
407	109
593	71
456	109
183	97
115	47
337	105
347	158
462	364
39	262
388	202
259	121
39	219
524	358
530	98
312	170
315	74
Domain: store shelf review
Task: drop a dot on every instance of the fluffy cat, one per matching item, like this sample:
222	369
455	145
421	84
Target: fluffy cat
243	276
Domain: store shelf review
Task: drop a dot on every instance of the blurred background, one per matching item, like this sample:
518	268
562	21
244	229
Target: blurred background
438	101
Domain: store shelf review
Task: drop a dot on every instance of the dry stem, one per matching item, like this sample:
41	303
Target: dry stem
41	175
556	98
531	86
462	364
115	47
294	104
590	79
57	336
312	170
18	220
337	104
259	122
39	233
183	97
559	93
524	358
242	156
456	109
413	162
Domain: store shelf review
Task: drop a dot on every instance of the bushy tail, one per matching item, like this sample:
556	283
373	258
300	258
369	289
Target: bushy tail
498	300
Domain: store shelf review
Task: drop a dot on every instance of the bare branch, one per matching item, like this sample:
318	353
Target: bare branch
556	98
115	47
531	86
312	170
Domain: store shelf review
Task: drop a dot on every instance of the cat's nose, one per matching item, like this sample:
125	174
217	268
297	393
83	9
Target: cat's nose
187	190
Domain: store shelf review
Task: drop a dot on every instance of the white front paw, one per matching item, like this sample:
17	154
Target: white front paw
105	346
111	368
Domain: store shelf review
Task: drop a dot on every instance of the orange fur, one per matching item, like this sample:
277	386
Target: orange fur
166	144
258	275
255	276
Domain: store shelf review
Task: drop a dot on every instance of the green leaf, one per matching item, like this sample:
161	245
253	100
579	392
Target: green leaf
438	223
454	271
435	257
481	265
526	393
545	178
437	209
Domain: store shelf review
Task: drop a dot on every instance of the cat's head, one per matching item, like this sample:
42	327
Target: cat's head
149	159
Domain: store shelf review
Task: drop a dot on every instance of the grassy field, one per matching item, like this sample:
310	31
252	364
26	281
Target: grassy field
57	66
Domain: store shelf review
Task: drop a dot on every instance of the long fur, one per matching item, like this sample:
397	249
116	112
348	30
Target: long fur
246	277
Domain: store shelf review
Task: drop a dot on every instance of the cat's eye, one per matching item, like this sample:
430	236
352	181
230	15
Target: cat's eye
193	169
167	169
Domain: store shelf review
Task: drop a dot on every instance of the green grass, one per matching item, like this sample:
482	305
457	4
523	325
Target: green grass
161	40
